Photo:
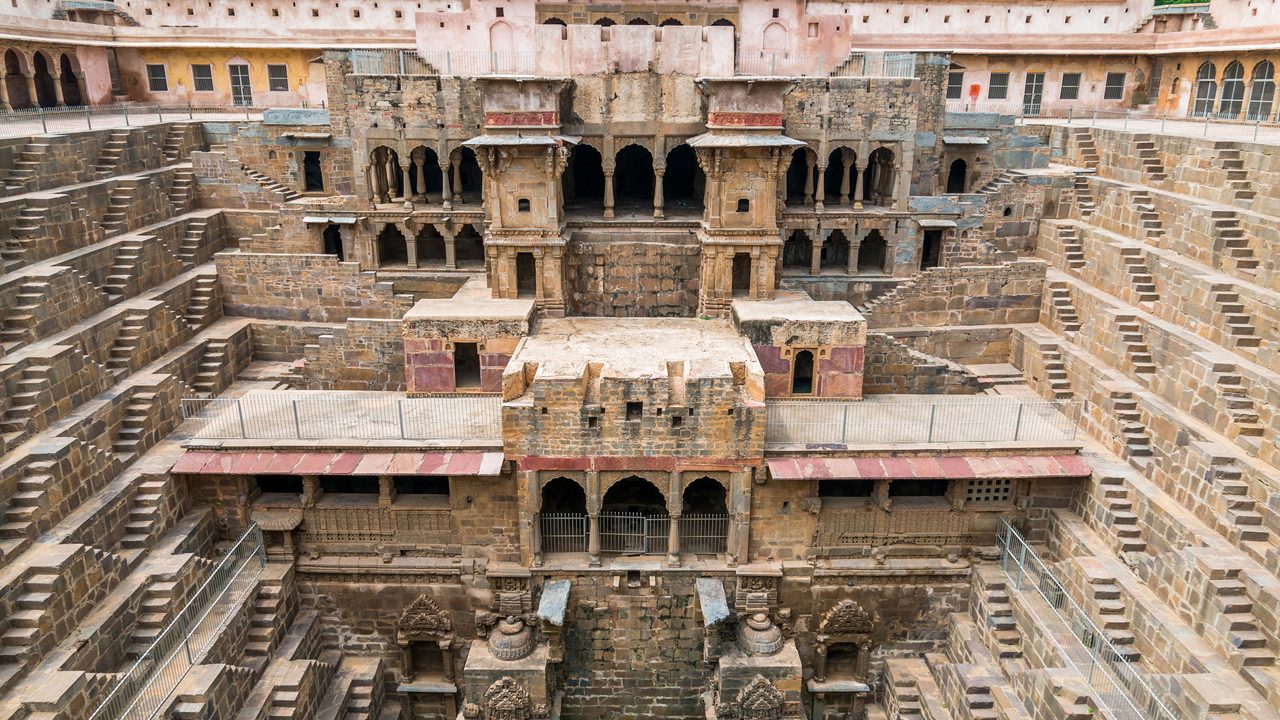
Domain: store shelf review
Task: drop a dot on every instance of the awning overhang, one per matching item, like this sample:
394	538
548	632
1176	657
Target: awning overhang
339	463
935	223
963	140
930	468
510	140
318	219
711	140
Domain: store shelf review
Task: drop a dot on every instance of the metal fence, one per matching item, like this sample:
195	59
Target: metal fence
321	415
140	693
563	532
1244	126
36	121
1118	686
451	63
634	533
858	64
979	419
704	534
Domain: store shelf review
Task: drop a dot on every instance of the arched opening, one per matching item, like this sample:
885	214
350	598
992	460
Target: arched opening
392	248
584	178
837	182
741	274
424	173
877	179
15	81
46	94
670	22
724	22
333	241
1232	91
468	181
563	517
802	373
683	183
526	275
871	253
704	526
500	37
633	176
842	661
835	250
797	251
638	21
1206	90
800	177
775	38
387	182
70	87
312	172
956	176
468	248
1262	90
430	246
633	518
555	21
931	249
605	22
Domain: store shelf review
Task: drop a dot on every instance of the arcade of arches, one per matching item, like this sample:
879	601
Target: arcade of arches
41	78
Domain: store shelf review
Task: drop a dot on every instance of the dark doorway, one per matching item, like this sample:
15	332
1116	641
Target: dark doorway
723	22
526	275
683	183
931	250
563	495
466	365
834	178
46	94
387	180
634	495
705	496
741	275
585	177
17	84
70	87
392	248
670	22
835	250
312	174
424	172
918	488
430	246
554	21
468	247
605	22
798	176
333	241
638	21
956	176
470	181
871	253
633	179
797	251
877	178
802	373
842	661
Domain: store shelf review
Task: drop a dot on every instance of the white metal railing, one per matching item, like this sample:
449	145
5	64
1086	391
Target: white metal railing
1117	685
451	63
977	419
1248	125
140	693
795	64
36	120
634	533
321	415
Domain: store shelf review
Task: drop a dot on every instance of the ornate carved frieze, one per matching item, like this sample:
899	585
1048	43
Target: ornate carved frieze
423	618
759	700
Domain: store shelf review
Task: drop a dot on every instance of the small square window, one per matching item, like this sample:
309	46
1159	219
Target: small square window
1070	86
989	490
635	410
677	421
355	13
501	12
744	205
955	85
522	204
202	78
157	78
315	12
999	88
231	12
1115	86
278	78
775	12
592	421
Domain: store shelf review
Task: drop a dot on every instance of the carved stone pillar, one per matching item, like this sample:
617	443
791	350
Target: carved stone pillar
815	252
675	509
809	162
419	168
410	245
844	175
854	245
608	193
820	189
657	193
4	93
31	89
404	182
84	91
446	194
57	91
457	181
388	177
858	190
450	250
593	515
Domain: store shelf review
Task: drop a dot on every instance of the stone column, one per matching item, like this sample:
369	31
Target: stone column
404	182
675	509
902	179
31	89
450	250
820	190
57	90
657	193
809	162
445	192
419	170
858	169
593	518
608	193
457	181
84	91
815	252
388	177
854	245
410	245
844	176
4	93
370	184
386	491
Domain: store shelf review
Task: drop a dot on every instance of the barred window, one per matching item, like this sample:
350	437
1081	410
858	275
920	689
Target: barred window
1115	87
1070	87
278	78
202	78
989	490
999	89
955	85
157	78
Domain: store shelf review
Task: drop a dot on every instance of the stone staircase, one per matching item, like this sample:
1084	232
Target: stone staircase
153	615
1227	228
18	327
144	511
1228	159
1133	432
1111	617
1135	346
1226	302
270	185
995	185
1072	248
19	418
30	502
116	219
1085	201
204	303
182	190
998	618
123	265
208	378
1237	622
1062	307
26	167
1055	374
1245	425
1148	219
112	153
126	343
173	142
189	248
1145	148
264	628
27	229
29	621
1140	279
1123	522
1086	148
133	426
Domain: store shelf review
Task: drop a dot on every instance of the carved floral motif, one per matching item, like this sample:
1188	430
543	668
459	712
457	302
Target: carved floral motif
424	617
